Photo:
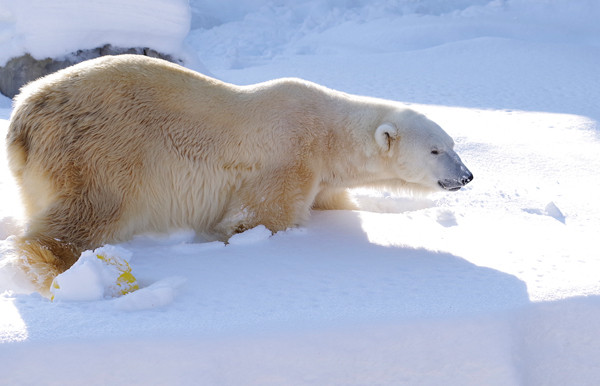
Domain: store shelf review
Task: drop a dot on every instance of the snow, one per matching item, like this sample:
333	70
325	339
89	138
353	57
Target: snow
102	273
496	284
57	28
251	236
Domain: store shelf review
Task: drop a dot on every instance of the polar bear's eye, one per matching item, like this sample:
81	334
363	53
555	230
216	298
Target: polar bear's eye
435	152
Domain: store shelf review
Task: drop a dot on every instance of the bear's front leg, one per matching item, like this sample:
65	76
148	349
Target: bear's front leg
334	199
279	200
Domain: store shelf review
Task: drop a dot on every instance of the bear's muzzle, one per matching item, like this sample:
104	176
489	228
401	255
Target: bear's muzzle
453	185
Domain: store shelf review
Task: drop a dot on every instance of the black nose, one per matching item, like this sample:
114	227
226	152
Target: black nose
466	179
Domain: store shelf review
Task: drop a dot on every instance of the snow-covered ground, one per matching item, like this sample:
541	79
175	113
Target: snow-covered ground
497	284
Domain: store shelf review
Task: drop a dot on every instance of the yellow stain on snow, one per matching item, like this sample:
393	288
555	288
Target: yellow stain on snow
126	282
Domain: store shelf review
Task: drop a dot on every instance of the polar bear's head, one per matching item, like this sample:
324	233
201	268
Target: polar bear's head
419	153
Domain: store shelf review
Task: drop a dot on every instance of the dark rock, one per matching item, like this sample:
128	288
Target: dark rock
21	70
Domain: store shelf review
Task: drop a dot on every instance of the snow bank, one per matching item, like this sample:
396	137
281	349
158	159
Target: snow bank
59	27
211	14
238	35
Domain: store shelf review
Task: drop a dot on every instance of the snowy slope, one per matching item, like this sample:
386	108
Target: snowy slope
497	284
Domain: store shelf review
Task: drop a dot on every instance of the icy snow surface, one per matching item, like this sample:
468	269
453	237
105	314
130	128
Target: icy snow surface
497	284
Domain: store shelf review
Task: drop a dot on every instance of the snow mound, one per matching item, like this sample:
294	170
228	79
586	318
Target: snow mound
101	273
251	236
551	210
156	295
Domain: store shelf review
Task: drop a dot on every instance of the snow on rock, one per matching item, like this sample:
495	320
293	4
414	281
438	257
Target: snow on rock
51	29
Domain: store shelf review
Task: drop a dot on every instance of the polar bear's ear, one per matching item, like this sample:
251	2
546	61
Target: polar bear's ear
384	135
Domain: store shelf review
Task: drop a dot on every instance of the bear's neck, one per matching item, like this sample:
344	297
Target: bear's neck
352	159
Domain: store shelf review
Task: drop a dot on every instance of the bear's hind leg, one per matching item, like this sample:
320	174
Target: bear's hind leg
42	259
54	240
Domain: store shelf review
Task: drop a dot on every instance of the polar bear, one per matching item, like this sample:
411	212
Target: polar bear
128	144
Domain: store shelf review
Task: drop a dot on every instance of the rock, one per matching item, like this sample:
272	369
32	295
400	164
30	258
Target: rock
23	69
